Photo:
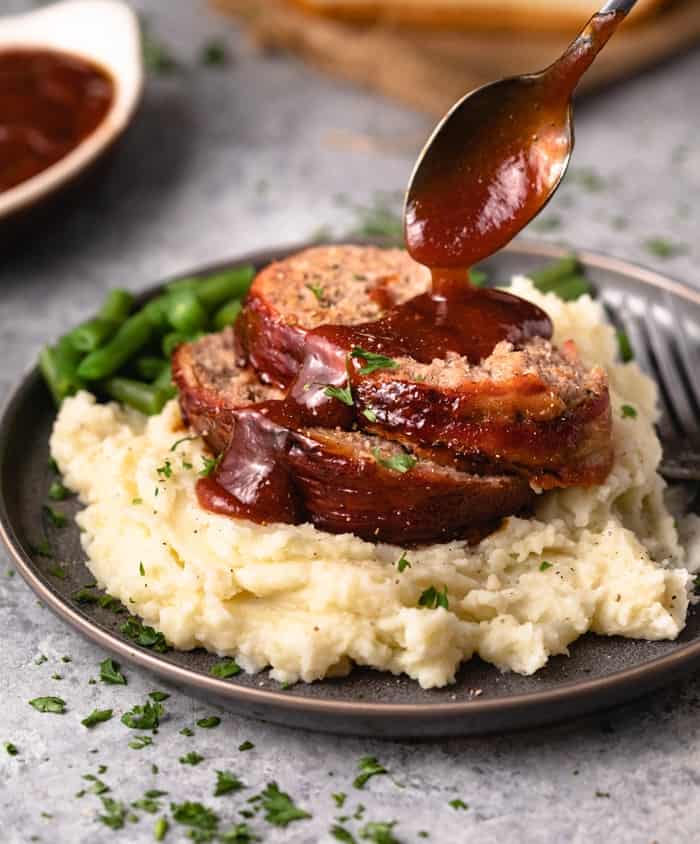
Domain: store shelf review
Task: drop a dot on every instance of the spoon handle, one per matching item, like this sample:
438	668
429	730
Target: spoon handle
623	6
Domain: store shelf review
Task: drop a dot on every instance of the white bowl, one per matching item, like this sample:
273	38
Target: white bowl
105	32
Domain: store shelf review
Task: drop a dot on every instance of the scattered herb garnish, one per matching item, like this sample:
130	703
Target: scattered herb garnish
143	635
402	563
316	290
158	696
108	602
214	54
373	361
85	596
42	548
142	570
10	748
225	669
432	599
157	58
137	500
160	830
166	470
628	412
458	804
341	834
139	742
115	813
183	440
186	731
49	704
238	834
56	518
369	767
343	394
96	717
57	492
544	565
380	832
279	807
339	797
191	758
662	248
397	462
226	782
210	465
602	794
209	722
146	717
110	673
368	413
624	347
196	816
56	570
246	745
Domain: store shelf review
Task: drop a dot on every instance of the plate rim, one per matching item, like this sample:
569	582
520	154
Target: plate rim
639	678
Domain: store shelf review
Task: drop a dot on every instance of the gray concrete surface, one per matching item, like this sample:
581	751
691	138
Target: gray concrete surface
264	152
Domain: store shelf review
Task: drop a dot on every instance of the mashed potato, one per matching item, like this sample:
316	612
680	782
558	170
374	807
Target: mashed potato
309	604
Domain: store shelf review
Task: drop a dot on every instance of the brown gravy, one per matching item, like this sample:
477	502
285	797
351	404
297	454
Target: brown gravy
49	102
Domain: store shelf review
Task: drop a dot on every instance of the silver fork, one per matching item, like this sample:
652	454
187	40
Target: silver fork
667	347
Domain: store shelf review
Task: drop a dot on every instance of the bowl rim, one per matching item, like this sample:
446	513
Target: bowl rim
128	81
613	687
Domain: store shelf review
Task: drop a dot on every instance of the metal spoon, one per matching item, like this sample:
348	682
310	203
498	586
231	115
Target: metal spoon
499	154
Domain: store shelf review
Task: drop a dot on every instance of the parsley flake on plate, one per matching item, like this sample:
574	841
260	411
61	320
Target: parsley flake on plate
369	767
57	519
183	440
373	361
397	462
146	717
58	492
403	563
544	565
628	412
110	673
210	464
96	717
316	290
49	704
226	782
342	394
143	635
57	570
279	808
225	669
191	758
431	599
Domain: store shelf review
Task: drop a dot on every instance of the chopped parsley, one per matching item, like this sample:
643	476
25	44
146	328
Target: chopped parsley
624	347
183	440
279	808
369	767
137	501
316	290
147	804
160	830
368	413
214	53
85	596
602	794
226	782
380	832
139	742
115	813
143	635
588	179
628	412
208	723
42	548
402	563
225	669
142	570
458	804
397	462
341	834
57	492
662	248
146	717
49	704
211	464
166	470
110	673
431	599
191	758
57	570
246	745
96	717
158	696
339	797
10	748
186	731
108	602
56	518
238	834
544	565
343	394
196	816
373	361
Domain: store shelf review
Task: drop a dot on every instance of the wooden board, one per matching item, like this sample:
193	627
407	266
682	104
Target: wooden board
430	70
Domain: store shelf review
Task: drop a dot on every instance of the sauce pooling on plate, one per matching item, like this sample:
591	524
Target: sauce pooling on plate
49	102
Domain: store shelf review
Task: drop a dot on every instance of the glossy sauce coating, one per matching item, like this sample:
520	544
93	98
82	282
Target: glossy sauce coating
49	102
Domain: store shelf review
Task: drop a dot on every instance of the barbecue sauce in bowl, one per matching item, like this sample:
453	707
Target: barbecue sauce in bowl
49	103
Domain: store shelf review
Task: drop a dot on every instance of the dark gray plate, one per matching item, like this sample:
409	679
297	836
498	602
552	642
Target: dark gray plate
599	673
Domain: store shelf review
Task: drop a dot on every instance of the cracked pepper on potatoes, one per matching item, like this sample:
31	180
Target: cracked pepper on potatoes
309	604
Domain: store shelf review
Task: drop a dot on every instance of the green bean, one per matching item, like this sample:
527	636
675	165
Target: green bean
143	397
171	341
216	289
549	277
92	334
132	335
182	284
165	382
572	288
226	315
58	365
185	312
150	367
156	312
116	306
